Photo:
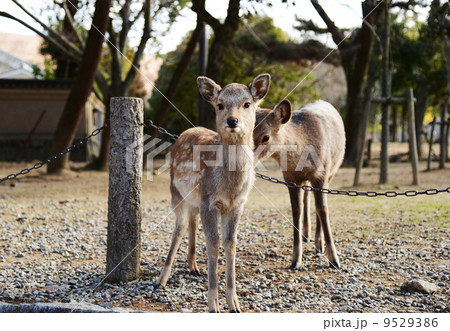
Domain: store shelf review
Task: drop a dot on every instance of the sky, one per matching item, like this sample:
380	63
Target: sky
345	13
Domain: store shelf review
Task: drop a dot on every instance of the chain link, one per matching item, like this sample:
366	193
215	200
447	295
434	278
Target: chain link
57	156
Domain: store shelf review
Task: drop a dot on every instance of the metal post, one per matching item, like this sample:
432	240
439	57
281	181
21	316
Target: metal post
203	57
412	137
125	186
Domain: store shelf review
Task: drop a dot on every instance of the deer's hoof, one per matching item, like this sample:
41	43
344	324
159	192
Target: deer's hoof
296	266
235	311
305	239
195	273
213	311
335	265
157	286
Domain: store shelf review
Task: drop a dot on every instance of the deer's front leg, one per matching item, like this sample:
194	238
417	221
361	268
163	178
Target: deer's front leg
297	207
230	222
210	219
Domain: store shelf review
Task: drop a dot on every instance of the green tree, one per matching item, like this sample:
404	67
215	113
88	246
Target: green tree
418	61
354	52
257	47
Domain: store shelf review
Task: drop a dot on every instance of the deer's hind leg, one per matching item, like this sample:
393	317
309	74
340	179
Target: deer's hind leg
306	223
319	240
192	258
322	211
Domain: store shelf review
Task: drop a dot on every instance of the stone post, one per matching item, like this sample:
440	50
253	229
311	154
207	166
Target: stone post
125	187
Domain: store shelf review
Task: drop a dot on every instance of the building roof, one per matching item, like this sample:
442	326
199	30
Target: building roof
13	67
36	84
24	47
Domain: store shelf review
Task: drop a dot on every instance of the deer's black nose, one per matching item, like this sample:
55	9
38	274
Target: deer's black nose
232	122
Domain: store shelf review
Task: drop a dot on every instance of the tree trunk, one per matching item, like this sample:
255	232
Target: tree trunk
355	82
119	87
443	138
386	93
223	36
178	74
72	113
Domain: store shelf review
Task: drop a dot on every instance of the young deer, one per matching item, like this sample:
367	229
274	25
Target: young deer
219	191
316	130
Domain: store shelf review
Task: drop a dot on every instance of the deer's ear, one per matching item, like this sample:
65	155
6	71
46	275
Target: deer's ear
259	87
283	111
208	89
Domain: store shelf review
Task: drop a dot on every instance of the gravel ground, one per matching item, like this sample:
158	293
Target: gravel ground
53	248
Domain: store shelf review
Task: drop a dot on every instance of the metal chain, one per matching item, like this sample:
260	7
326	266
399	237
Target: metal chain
57	156
174	137
389	194
149	124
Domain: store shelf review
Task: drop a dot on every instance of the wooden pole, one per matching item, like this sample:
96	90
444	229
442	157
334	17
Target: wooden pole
125	186
414	156
430	144
367	107
442	138
447	133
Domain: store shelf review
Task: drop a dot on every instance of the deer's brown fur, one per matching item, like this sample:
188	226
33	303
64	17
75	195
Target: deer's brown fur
317	128
218	193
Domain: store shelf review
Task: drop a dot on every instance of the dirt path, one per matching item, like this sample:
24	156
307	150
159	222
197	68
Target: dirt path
53	235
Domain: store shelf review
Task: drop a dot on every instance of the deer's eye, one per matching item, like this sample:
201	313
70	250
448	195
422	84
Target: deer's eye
265	139
247	104
220	106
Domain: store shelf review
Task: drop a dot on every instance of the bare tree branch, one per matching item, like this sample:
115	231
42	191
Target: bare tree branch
140	51
113	44
198	6
126	24
336	34
409	4
138	15
309	25
72	24
52	41
70	46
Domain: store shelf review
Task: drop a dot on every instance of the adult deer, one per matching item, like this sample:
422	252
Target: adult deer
212	174
309	145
